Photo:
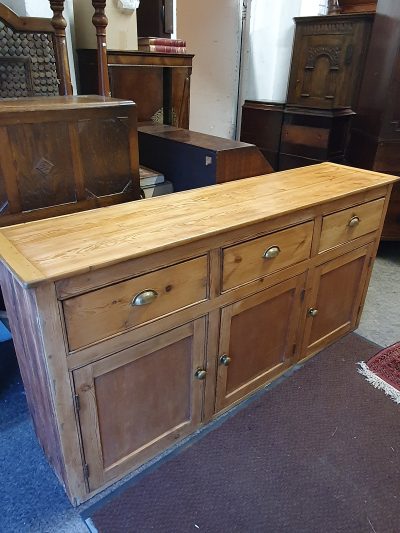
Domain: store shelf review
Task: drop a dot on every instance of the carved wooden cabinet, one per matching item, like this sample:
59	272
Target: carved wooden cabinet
133	325
65	154
328	59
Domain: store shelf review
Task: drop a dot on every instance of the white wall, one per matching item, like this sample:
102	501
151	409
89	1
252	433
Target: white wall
211	29
41	8
269	47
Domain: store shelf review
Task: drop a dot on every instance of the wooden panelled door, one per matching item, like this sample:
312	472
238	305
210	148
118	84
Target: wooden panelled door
139	401
258	339
333	306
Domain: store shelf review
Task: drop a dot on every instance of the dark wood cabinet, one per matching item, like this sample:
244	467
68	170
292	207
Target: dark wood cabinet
310	136
328	59
189	159
158	83
65	154
261	125
375	133
313	125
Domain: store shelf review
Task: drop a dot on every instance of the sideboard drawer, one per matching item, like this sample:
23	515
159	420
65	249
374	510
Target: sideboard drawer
351	223
104	312
259	257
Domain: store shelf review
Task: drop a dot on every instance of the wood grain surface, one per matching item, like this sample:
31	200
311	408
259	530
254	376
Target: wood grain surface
74	244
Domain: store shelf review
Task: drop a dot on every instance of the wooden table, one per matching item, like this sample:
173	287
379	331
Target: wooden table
135	324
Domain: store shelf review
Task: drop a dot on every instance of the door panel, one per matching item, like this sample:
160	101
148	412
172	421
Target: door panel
258	334
338	287
139	401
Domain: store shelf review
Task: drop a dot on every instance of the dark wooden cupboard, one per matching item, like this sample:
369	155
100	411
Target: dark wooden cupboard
328	59
313	125
375	133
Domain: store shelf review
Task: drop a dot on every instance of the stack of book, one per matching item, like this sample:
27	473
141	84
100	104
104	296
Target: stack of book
153	183
161	44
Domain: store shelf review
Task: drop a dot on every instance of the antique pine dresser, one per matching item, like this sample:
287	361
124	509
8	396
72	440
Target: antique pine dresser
135	324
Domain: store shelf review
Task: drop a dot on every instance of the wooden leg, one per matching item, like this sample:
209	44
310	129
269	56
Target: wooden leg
100	22
59	25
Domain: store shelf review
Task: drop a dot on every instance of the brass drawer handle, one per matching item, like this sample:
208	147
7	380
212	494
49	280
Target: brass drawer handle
225	360
145	297
353	222
200	374
312	311
271	252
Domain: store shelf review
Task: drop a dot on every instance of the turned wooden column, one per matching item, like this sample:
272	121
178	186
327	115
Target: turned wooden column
100	22
59	24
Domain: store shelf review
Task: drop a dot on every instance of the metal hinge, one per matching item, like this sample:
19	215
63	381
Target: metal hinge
77	402
86	471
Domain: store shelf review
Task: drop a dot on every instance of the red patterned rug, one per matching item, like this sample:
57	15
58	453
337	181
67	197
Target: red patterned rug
383	371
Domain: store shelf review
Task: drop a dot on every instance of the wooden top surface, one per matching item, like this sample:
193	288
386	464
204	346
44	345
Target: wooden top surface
193	138
64	246
56	103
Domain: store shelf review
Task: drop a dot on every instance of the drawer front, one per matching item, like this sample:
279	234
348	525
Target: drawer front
351	223
104	312
259	257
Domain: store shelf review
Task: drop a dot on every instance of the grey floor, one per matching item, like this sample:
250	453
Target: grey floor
31	500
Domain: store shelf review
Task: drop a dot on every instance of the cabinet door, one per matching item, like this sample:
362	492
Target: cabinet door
258	339
335	299
137	402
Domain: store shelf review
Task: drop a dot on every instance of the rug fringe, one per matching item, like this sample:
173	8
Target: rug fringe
378	382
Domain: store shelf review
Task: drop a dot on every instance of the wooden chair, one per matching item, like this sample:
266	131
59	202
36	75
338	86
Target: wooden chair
33	54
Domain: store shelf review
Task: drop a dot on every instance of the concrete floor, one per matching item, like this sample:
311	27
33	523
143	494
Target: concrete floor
380	320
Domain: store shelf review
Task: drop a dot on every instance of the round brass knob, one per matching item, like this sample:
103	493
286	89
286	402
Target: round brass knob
200	373
144	298
312	311
353	222
225	360
271	252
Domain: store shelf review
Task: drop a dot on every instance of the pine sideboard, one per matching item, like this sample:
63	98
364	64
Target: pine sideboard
137	323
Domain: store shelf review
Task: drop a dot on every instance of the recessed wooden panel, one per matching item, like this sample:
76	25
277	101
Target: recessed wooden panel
109	310
150	384
258	334
338	286
98	138
258	339
44	164
336	229
139	401
143	85
246	262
